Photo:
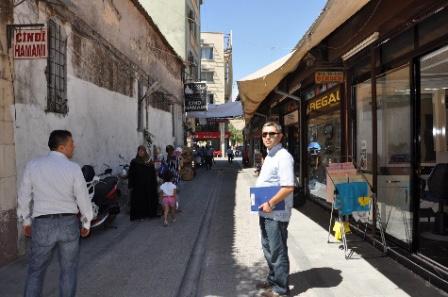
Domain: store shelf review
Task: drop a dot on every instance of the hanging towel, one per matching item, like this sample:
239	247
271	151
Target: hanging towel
352	197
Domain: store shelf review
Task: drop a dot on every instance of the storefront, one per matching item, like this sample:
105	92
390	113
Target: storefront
399	93
323	135
388	116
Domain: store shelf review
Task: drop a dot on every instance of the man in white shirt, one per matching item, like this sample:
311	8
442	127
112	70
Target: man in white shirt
277	170
52	192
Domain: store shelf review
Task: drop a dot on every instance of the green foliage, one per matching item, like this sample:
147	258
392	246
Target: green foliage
236	135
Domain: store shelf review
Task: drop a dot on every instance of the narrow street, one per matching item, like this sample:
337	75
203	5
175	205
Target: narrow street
213	250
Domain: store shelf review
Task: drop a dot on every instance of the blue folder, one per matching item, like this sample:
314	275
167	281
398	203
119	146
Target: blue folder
259	195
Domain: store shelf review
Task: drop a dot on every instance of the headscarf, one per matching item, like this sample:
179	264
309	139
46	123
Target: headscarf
145	158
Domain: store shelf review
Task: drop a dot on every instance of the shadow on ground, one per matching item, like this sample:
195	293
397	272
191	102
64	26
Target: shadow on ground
308	279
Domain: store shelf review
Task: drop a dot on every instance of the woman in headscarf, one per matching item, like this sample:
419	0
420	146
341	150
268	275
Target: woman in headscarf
143	186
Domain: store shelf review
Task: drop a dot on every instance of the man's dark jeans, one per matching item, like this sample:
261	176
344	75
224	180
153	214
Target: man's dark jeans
274	236
48	233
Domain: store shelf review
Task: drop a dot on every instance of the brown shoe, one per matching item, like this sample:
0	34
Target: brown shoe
263	285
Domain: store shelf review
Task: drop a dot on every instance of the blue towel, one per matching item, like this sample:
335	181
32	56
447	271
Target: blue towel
347	197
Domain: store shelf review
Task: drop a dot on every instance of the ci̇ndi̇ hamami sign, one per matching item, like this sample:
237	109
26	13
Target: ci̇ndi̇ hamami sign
30	43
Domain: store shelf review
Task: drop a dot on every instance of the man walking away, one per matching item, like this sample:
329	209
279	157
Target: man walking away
52	190
229	155
277	170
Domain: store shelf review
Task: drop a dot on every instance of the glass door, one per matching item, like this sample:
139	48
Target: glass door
433	157
394	154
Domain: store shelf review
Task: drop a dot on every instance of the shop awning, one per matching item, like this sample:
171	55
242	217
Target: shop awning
254	88
227	110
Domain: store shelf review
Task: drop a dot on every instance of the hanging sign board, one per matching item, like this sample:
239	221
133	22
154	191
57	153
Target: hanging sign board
323	77
30	43
195	96
291	118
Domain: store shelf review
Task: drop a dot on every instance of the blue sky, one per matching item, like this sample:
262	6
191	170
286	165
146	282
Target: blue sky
263	30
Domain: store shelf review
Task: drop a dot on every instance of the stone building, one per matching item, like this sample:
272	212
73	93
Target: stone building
110	77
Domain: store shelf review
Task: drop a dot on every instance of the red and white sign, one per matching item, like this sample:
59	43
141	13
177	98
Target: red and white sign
30	43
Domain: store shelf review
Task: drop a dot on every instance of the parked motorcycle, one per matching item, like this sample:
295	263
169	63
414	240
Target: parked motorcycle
103	193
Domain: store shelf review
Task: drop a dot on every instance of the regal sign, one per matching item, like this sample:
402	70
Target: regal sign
324	102
30	43
323	77
195	96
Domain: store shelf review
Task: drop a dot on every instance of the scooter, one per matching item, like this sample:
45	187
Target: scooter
103	193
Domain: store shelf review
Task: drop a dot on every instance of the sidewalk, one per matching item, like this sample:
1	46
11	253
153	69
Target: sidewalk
234	260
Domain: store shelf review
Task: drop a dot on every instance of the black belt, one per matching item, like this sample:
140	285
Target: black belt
55	215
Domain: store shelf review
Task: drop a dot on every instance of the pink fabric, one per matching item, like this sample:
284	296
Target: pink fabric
169	201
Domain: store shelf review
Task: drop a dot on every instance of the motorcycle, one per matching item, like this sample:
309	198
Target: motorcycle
103	193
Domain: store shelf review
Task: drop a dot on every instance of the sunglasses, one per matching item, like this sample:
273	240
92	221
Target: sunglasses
271	134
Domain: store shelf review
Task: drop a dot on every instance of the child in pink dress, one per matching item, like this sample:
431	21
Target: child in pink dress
168	193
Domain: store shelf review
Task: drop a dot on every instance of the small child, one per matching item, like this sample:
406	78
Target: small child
168	193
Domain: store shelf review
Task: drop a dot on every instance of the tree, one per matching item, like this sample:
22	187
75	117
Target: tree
236	135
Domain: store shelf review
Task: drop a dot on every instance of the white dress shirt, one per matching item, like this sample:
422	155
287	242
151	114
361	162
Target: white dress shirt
53	184
278	170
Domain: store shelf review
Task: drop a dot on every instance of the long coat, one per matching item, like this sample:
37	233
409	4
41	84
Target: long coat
144	194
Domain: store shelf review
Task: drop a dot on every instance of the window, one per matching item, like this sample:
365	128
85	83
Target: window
211	98
57	69
207	53
207	76
363	102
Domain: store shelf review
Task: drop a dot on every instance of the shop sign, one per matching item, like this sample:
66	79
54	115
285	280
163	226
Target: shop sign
323	77
30	44
325	101
291	118
205	135
195	96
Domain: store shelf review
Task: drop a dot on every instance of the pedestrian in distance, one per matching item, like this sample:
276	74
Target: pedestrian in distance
230	155
277	170
52	192
142	184
168	195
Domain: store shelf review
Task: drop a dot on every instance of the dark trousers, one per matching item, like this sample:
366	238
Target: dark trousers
274	236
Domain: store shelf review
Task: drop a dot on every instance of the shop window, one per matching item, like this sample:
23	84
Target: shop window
394	153
433	104
393	102
324	147
363	137
433	28
398	46
57	69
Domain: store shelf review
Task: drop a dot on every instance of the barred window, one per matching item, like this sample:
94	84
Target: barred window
57	69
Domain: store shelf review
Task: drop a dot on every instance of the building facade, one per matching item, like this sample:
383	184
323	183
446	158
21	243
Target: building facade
372	91
216	66
110	77
182	30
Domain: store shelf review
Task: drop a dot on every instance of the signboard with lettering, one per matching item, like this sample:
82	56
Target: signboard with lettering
30	43
324	102
195	96
323	77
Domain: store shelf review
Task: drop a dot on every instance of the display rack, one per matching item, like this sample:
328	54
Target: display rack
348	204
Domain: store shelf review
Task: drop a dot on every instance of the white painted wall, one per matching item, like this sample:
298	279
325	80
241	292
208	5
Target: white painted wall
103	122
